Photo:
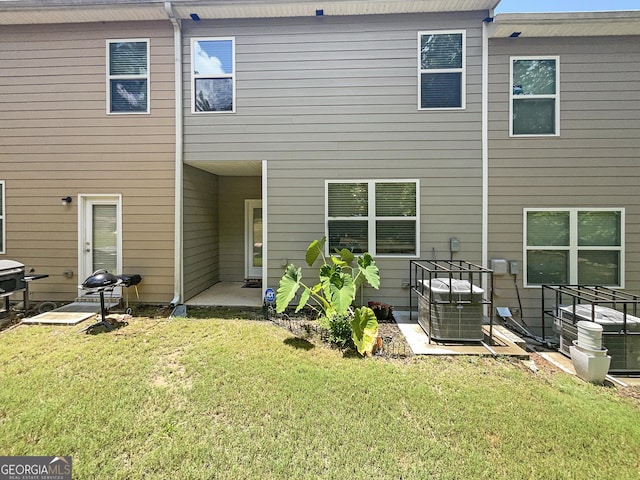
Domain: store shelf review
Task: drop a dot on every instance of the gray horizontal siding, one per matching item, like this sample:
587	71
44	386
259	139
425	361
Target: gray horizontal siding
339	85
233	193
201	251
336	98
594	161
450	207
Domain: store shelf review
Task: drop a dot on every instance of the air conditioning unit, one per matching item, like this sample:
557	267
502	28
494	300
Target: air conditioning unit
455	308
623	345
568	333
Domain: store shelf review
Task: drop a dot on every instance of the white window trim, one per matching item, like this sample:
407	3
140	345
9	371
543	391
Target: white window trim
232	76
3	230
129	77
573	243
462	70
371	218
556	96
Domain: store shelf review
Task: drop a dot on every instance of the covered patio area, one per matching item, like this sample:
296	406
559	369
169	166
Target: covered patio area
228	294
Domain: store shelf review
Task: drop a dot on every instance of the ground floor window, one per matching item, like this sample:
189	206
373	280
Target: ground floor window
574	246
375	216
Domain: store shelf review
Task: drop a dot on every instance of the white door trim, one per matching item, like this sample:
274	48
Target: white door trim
85	202
249	270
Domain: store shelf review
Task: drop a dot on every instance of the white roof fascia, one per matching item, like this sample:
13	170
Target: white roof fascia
23	12
304	8
566	24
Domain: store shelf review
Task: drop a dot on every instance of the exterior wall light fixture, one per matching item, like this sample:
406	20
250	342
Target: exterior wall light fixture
66	201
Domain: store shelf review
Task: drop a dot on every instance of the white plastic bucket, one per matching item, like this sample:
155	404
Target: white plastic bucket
589	335
594	352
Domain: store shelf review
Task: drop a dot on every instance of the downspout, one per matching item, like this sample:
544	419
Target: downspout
485	160
178	280
485	138
265	229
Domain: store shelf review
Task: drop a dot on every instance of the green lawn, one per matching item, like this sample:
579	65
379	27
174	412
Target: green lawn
240	399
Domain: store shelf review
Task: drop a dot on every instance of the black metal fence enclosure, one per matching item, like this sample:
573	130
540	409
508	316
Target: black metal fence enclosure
617	312
453	298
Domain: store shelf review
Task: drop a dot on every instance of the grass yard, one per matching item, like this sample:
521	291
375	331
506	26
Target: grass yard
241	399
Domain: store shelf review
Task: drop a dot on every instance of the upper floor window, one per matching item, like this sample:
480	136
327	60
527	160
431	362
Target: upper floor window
534	96
213	83
375	216
441	75
574	246
128	76
2	216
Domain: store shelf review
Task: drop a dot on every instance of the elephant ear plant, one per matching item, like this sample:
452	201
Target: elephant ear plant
335	293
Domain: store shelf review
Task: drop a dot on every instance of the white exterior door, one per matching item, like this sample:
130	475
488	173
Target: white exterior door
100	234
253	238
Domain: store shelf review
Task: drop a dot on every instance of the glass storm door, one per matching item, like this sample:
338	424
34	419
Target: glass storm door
253	238
100	241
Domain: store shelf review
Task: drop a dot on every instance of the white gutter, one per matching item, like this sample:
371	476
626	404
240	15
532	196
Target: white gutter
485	153
485	142
178	279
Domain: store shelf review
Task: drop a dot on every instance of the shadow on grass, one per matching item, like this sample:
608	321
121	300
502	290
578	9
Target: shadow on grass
299	343
227	313
351	353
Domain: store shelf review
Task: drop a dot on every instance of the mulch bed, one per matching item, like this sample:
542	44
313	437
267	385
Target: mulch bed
394	345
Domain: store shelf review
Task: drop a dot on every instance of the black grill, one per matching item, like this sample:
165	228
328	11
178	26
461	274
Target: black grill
102	281
11	277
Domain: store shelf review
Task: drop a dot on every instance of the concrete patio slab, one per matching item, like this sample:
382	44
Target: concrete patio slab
59	318
227	294
418	340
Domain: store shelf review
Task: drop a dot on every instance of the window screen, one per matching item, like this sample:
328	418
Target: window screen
574	246
534	96
376	216
213	75
128	72
441	71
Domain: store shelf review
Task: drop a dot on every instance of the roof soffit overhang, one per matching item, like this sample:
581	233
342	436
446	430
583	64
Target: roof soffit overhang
565	24
24	12
304	8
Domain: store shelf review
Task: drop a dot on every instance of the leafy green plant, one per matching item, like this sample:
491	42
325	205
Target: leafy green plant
365	330
335	292
339	328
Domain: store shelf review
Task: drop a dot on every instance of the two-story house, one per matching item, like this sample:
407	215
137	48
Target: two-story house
209	142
